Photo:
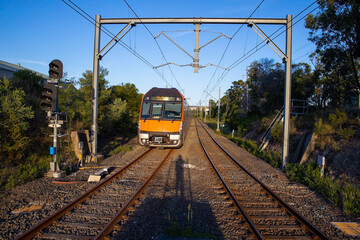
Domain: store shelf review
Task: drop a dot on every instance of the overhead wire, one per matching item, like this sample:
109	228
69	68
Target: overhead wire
227	46
111	35
157	43
261	45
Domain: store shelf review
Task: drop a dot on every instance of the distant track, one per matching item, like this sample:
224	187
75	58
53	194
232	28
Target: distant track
267	215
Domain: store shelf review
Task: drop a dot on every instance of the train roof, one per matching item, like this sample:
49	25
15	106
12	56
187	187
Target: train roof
163	92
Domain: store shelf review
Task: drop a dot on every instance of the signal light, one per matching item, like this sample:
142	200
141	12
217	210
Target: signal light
56	69
49	97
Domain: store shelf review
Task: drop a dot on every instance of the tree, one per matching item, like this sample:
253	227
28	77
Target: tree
14	115
266	84
85	82
31	84
130	94
335	30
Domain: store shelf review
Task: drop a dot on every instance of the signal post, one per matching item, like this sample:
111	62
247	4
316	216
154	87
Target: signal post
50	103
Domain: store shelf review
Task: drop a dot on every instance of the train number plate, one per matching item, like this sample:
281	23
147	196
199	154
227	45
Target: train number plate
158	139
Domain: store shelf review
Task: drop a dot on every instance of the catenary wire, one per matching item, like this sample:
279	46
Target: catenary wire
111	35
157	43
227	46
250	53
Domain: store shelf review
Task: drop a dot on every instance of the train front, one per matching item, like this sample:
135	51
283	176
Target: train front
161	118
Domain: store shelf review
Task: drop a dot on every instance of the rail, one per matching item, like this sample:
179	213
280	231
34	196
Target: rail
313	229
33	231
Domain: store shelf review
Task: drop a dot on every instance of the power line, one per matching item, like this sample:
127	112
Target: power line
157	43
227	46
250	53
111	35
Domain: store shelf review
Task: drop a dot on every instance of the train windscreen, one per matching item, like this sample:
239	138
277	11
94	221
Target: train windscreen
145	111
156	110
172	111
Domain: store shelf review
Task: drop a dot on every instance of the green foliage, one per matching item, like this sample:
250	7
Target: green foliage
23	126
274	159
347	197
338	119
118	107
120	149
33	167
325	133
277	132
14	115
335	31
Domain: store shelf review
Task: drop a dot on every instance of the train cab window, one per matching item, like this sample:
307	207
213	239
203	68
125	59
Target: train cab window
145	111
156	110
172	111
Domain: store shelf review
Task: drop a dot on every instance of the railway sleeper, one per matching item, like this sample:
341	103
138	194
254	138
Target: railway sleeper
65	236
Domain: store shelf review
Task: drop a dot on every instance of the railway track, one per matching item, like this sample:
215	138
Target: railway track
96	213
266	214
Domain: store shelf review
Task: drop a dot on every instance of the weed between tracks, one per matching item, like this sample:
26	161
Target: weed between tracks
174	228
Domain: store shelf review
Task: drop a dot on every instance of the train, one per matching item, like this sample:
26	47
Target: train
164	118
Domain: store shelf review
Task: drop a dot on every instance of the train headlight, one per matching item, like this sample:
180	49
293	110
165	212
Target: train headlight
139	125
174	137
181	125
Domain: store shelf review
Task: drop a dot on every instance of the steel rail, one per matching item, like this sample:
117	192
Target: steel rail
234	199
110	226
33	231
312	228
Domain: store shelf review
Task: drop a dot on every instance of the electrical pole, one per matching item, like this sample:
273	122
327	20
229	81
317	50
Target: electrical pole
218	120
287	102
247	90
210	109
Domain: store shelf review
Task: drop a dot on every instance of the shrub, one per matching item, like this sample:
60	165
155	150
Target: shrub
338	119
277	132
347	197
325	133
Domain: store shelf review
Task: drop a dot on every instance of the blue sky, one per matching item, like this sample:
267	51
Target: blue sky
34	32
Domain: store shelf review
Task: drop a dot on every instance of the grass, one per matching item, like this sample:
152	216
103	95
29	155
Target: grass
175	229
119	149
345	196
34	167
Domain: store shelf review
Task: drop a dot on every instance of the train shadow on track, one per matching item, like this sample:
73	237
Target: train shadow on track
168	209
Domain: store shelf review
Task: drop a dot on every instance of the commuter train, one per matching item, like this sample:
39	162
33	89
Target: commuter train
164	118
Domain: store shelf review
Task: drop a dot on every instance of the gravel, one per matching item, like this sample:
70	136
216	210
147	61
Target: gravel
185	197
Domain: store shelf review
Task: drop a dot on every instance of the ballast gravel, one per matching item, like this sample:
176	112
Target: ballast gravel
185	196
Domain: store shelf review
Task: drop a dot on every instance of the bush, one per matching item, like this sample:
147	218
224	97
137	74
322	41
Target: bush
277	132
325	134
338	119
347	197
32	168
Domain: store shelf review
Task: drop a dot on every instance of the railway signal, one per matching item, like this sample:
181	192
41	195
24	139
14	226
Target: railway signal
49	97
56	69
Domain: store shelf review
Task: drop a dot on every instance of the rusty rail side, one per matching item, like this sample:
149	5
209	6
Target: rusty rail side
234	199
33	231
110	226
312	228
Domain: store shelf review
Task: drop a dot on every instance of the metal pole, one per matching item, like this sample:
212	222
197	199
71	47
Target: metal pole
287	102
55	144
210	109
95	86
218	120
247	90
196	50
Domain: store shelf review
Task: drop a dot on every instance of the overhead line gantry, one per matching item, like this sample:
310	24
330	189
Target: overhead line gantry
196	21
